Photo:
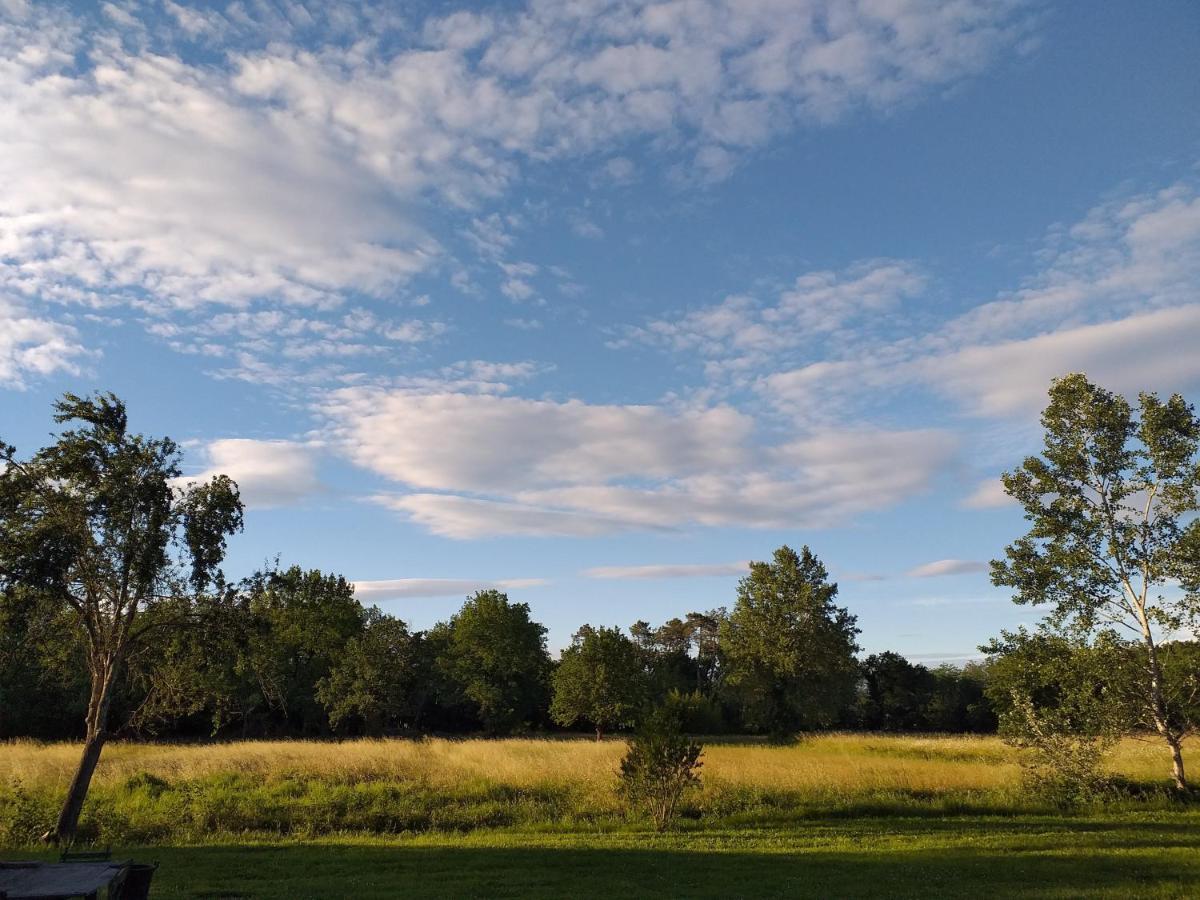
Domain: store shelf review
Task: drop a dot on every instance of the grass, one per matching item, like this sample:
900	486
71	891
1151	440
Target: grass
833	815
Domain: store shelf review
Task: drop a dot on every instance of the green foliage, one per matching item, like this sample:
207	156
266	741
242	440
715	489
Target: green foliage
599	680
43	671
660	766
896	695
787	647
380	679
95	526
681	655
492	658
1058	701
301	623
1111	503
697	713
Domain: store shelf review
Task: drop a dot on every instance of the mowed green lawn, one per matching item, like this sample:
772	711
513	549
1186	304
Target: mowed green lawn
835	816
1125	856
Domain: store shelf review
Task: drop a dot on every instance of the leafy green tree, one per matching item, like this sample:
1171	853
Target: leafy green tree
301	623
43	671
897	693
958	702
1111	503
682	655
493	657
787	647
601	680
379	679
667	656
95	525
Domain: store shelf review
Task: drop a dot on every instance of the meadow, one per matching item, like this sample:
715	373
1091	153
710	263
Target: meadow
831	815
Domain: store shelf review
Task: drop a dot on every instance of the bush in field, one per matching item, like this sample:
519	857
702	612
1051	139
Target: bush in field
662	763
1055	698
1061	766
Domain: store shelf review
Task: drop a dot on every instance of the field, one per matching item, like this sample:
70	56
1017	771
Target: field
834	815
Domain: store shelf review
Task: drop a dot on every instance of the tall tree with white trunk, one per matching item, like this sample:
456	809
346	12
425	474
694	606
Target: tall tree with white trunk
1114	538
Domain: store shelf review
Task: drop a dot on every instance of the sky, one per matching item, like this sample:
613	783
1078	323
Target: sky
596	300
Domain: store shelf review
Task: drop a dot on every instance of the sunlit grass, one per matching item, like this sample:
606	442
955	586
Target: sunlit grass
181	792
854	761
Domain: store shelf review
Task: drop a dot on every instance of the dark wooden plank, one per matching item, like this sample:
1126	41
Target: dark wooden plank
31	881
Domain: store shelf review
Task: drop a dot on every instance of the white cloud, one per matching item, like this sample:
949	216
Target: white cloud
989	494
31	346
268	473
688	570
741	334
1152	351
406	588
454	441
1126	256
298	157
486	464
943	567
467	518
160	182
1115	299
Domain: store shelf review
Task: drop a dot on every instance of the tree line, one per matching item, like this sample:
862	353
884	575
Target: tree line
290	652
115	617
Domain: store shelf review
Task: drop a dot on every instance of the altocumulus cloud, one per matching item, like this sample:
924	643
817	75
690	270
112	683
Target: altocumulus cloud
1116	299
170	159
31	346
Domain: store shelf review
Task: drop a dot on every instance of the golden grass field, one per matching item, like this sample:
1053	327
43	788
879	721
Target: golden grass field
821	764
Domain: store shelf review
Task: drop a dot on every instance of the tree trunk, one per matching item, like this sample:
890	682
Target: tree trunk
68	818
1177	762
103	675
1162	722
599	733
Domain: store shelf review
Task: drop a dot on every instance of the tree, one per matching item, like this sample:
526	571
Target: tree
897	693
301	622
43	681
494	657
959	702
95	525
788	648
379	678
1112	502
601	680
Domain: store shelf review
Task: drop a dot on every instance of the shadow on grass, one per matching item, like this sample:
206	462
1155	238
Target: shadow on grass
1043	870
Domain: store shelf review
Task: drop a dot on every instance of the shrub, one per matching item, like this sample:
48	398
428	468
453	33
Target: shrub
23	816
1058	765
661	764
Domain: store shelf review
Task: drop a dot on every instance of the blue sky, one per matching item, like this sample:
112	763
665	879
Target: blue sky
598	300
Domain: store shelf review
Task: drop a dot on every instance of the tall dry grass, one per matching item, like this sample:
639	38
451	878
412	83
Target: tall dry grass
164	793
834	761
